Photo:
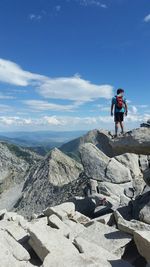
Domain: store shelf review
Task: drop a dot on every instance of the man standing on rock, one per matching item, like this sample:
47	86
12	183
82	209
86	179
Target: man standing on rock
118	109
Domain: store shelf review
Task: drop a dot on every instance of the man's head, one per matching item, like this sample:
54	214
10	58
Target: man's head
120	91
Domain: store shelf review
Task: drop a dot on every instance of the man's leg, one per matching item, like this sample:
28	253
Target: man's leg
116	128
122	127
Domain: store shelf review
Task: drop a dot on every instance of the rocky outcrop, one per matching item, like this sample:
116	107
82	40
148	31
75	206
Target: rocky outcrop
130	226
136	141
52	241
59	178
99	138
57	168
94	161
15	163
53	181
102	168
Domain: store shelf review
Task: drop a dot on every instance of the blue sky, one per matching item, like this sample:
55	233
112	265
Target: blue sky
62	60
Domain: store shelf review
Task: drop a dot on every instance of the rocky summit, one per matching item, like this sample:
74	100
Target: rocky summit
85	204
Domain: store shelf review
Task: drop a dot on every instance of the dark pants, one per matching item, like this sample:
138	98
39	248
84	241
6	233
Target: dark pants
119	116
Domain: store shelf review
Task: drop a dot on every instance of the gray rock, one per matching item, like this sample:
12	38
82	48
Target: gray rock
79	218
18	252
94	161
130	226
62	169
142	241
101	256
136	141
106	237
131	161
99	138
105	219
117	173
68	228
45	240
63	211
16	231
59	259
144	163
14	163
144	214
141	207
2	213
56	168
146	176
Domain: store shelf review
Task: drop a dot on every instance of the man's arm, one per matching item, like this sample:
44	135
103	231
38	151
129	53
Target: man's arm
112	108
126	109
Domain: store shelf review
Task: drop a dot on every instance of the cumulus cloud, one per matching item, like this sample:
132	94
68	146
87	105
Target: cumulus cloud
41	105
18	121
71	88
74	88
66	122
13	74
147	18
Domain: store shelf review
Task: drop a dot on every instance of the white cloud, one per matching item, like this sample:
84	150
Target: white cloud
142	106
74	88
35	17
5	108
97	3
71	88
12	73
147	18
58	8
41	105
4	96
18	121
67	122
103	5
133	110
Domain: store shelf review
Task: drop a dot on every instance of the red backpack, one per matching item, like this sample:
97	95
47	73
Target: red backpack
119	103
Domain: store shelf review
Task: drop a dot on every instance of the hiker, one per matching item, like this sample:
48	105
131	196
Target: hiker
118	109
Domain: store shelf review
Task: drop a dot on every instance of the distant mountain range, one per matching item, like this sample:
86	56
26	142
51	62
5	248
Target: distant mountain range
40	141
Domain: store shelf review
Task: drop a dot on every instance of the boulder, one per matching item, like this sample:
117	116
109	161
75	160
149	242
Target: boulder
143	162
144	214
141	207
2	213
129	226
17	251
16	231
117	173
109	189
68	228
45	240
59	259
136	141
100	255
79	218
105	219
106	237
63	211
142	241
146	176
94	161
131	161
99	138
